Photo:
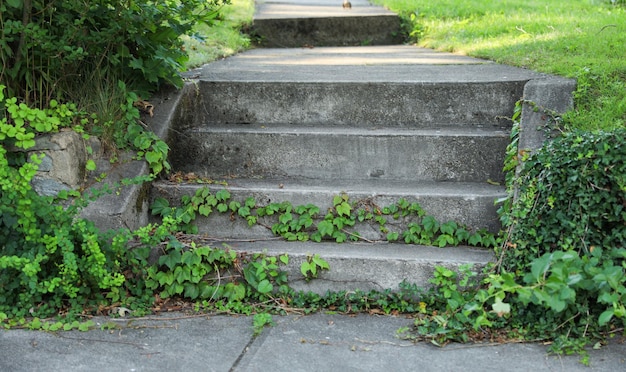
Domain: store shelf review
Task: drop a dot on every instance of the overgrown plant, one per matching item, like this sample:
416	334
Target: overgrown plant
560	274
49	258
340	223
45	45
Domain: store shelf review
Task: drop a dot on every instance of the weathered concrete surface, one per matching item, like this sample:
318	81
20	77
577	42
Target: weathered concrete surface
390	85
364	266
389	63
318	342
127	206
362	104
471	204
296	23
543	98
334	152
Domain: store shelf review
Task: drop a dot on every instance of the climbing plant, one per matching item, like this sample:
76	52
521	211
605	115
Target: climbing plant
339	223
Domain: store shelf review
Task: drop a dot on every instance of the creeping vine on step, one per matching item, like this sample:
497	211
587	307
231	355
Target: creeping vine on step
400	221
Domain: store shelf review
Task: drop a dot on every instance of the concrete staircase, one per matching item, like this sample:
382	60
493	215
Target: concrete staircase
305	123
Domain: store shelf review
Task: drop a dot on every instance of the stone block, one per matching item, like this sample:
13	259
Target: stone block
63	165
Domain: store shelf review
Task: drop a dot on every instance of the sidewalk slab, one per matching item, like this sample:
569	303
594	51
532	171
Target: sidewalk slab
318	342
172	342
368	343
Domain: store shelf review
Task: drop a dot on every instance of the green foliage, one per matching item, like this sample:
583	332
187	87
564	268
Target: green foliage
224	37
52	260
561	271
145	142
49	258
575	39
570	197
260	321
312	265
203	273
45	43
303	223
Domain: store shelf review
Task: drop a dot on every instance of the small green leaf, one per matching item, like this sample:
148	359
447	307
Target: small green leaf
265	286
323	264
605	317
501	308
344	209
284	259
91	165
325	228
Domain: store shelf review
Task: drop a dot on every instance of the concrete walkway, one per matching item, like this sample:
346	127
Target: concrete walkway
176	342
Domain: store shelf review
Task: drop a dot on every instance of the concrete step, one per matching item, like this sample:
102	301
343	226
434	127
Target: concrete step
377	123
471	204
333	152
362	266
416	105
366	86
297	23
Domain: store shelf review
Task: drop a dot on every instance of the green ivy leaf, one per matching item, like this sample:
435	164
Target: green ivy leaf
265	286
317	260
605	317
15	3
344	209
91	165
191	291
326	228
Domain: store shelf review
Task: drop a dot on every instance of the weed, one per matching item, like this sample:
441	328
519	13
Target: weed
260	321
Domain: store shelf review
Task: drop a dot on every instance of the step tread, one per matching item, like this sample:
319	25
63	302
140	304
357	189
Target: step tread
327	129
364	250
291	9
373	187
360	64
352	265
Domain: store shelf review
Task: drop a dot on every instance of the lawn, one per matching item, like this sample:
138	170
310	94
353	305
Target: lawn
224	37
582	39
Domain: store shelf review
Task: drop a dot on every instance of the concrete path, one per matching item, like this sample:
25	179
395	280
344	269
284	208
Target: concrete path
176	342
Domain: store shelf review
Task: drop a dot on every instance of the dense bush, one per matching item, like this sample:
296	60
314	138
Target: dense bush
571	195
49	46
564	261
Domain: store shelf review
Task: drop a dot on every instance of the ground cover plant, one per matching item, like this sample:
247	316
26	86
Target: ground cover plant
580	39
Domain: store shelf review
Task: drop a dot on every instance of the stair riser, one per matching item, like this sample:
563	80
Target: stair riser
330	31
424	105
477	211
220	153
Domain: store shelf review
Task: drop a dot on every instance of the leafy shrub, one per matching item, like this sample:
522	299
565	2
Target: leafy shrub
45	45
567	233
49	258
571	195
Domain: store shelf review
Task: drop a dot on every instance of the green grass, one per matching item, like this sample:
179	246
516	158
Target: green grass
582	39
223	38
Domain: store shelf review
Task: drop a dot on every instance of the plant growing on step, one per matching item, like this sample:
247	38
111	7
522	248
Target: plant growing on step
204	273
302	223
312	266
260	321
